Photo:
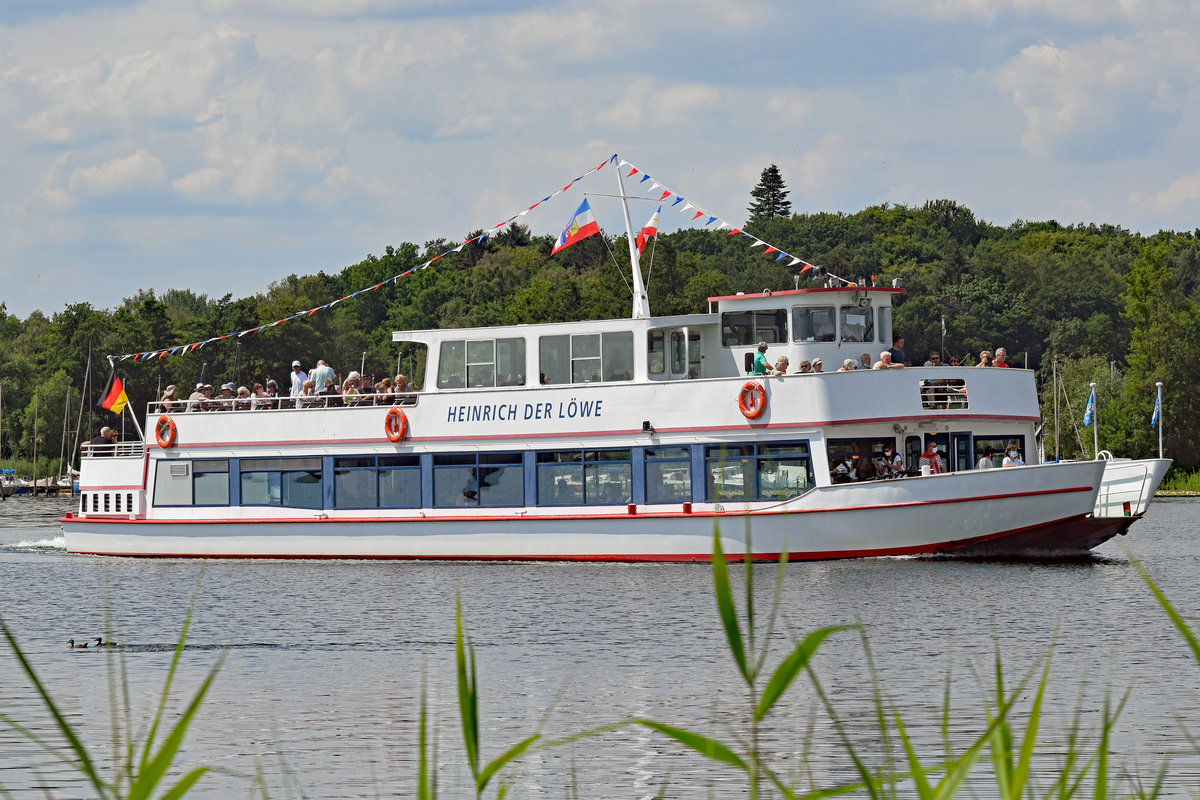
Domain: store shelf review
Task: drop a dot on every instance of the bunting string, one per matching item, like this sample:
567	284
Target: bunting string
655	186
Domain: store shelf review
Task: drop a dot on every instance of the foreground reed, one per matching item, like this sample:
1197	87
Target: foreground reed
1000	757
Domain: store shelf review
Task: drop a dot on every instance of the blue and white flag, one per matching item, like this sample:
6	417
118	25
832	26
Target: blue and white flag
1156	417
1090	414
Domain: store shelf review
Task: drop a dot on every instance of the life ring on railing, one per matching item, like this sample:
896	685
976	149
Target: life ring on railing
752	399
395	425
164	432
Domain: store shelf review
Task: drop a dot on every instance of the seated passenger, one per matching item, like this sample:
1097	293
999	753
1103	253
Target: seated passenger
781	366
170	401
350	389
383	392
308	395
864	469
932	458
242	402
207	403
817	365
985	359
840	473
258	396
272	394
864	361
885	361
1012	457
985	460
847	365
805	367
893	463
333	398
225	401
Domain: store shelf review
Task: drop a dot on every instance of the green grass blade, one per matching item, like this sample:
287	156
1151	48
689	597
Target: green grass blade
787	671
916	770
151	775
166	692
729	620
1177	620
1021	777
497	763
468	700
709	748
85	761
185	784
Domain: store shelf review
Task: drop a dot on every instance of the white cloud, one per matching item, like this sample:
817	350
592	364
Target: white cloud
792	106
1107	95
138	170
1089	11
1183	189
647	102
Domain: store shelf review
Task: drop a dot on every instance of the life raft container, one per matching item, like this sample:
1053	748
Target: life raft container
395	425
752	399
164	432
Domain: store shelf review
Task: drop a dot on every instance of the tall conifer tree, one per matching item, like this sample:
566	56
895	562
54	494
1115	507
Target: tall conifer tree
770	197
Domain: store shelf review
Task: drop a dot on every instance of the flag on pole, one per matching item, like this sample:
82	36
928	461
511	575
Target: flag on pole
1156	417
943	326
113	398
1090	414
582	225
650	230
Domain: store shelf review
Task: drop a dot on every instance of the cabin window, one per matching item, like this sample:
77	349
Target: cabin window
678	353
912	453
858	324
286	482
656	356
586	357
668	475
584	477
377	482
481	363
758	471
210	482
852	460
694	354
943	393
813	324
470	480
748	328
998	445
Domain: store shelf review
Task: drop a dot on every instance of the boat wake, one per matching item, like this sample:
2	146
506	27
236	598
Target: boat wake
37	545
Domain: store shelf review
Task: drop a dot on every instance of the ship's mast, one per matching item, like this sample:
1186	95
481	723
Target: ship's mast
641	304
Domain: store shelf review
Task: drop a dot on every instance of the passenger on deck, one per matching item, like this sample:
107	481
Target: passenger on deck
955	361
383	392
932	458
206	399
366	388
935	359
225	402
847	365
897	349
350	389
985	359
320	372
893	463
308	395
195	397
985	460
298	379
170	402
885	361
864	469
242	403
402	385
817	365
105	444
1012	457
258	397
761	365
332	398
805	367
272	394
781	366
864	361
1001	358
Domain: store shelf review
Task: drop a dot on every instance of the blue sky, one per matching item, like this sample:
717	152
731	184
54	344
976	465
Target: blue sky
220	145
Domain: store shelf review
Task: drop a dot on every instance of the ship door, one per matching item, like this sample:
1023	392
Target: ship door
960	452
678	353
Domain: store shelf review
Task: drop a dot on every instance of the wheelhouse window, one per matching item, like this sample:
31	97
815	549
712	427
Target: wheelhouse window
584	477
858	323
287	482
940	393
758	471
377	482
586	357
469	480
656	356
668	475
481	363
813	324
747	328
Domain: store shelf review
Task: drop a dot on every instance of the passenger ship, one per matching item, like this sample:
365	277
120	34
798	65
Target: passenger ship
619	440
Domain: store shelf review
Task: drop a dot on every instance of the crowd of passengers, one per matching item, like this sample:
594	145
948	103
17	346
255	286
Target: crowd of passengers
318	389
889	464
892	358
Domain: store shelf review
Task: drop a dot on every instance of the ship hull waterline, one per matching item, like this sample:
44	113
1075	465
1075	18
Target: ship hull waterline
1024	510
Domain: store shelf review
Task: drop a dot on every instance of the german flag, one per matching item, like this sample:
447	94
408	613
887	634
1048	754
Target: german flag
113	398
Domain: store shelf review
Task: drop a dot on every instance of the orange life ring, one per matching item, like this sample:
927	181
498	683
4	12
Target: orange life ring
752	399
164	432
395	425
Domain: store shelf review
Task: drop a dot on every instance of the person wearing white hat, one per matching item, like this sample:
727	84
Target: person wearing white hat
195	398
299	376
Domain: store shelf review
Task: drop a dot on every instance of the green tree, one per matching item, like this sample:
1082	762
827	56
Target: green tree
770	197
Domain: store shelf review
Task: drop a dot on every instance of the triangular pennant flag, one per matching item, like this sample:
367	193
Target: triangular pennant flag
769	250
686	207
711	220
733	231
757	242
698	214
782	256
644	179
678	200
664	195
632	172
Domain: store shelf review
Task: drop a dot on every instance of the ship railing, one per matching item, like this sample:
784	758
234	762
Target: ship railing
132	449
1126	497
303	403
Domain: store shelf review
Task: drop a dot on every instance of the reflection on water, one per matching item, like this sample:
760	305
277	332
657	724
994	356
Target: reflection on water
326	662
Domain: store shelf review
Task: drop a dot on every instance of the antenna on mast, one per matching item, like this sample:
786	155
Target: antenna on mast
641	304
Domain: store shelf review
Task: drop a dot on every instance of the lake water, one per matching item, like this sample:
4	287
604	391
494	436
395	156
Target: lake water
326	662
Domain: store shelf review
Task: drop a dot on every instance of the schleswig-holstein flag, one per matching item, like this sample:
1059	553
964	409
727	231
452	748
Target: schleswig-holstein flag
1090	414
581	226
1156	417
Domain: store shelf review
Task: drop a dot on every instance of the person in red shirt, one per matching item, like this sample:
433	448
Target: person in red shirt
932	458
1001	358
